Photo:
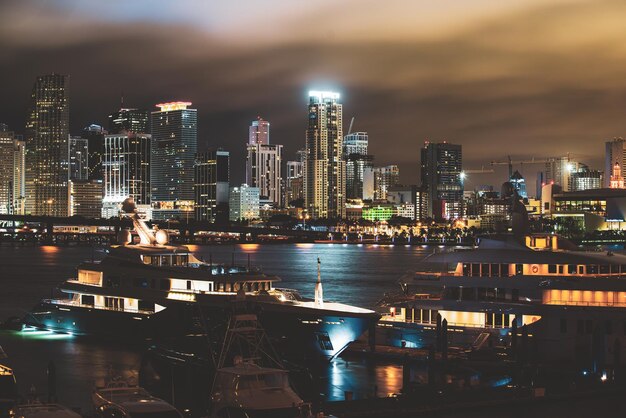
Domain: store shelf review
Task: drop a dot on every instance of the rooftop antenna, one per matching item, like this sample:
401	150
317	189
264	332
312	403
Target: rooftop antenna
351	124
319	293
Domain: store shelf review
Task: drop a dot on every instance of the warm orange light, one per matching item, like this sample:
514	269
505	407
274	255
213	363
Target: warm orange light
169	106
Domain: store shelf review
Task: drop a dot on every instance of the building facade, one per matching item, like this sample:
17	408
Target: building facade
47	139
356	167
442	185
259	132
129	120
86	198
126	168
615	152
385	178
7	149
355	143
94	134
243	203
294	183
211	184
79	158
175	144
586	180
324	168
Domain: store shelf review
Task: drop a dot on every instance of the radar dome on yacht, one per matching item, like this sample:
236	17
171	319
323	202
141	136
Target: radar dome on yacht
161	237
128	205
124	237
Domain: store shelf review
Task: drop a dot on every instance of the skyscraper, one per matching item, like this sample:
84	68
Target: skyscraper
126	167
211	184
442	185
385	178
264	163
175	143
293	189
131	120
243	203
355	143
324	168
79	158
94	134
259	132
558	170
357	165
47	135
19	175
7	146
615	152
518	182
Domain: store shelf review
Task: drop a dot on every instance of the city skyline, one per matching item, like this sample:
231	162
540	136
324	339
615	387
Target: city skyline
472	84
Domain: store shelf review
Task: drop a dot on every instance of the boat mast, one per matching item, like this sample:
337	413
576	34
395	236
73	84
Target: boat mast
319	292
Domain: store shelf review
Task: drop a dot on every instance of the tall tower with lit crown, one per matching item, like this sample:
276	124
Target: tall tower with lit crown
617	180
324	167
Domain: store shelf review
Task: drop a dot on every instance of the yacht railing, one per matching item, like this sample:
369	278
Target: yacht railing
61	302
582	303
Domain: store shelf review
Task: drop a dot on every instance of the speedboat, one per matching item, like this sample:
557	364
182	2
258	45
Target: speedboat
152	290
118	399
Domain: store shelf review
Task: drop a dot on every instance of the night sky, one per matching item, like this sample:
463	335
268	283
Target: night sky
520	77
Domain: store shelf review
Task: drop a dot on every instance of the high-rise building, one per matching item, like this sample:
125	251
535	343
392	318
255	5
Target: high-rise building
243	203
7	149
294	183
259	132
324	167
558	170
175	144
131	120
211	184
355	143
94	134
264	170
442	185
47	135
384	178
19	175
79	158
126	167
586	180
86	198
617	180
615	152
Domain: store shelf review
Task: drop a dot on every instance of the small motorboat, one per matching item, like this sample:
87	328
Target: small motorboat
118	399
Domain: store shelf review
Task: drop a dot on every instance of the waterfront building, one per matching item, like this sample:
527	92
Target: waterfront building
441	166
86	198
384	178
7	149
19	175
79	158
175	144
264	162
129	119
126	167
615	152
355	143
378	213
586	180
243	203
47	137
324	168
259	132
94	134
518	182
211	184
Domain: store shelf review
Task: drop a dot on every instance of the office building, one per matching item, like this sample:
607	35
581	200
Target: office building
356	167
129	120
407	197
324	168
384	178
243	203
558	170
211	185
19	176
86	198
47	135
264	163
615	152
175	144
355	143
126	168
259	132
79	158
586	180
293	185
94	134
7	150
441	166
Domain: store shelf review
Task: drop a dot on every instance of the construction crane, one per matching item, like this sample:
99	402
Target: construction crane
511	162
482	170
351	124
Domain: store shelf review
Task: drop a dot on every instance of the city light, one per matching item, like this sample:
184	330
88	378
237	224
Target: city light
170	106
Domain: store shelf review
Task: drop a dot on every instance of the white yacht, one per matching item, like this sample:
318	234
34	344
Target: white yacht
119	400
571	302
153	289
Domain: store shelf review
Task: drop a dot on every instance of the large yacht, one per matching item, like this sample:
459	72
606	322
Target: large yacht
572	302
152	290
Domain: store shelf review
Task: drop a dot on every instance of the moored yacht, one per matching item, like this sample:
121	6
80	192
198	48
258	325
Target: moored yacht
153	290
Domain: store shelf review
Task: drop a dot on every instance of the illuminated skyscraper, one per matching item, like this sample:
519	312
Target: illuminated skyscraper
355	143
94	134
211	185
385	178
442	185
175	143
243	203
324	167
264	163
47	138
131	120
7	145
615	152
